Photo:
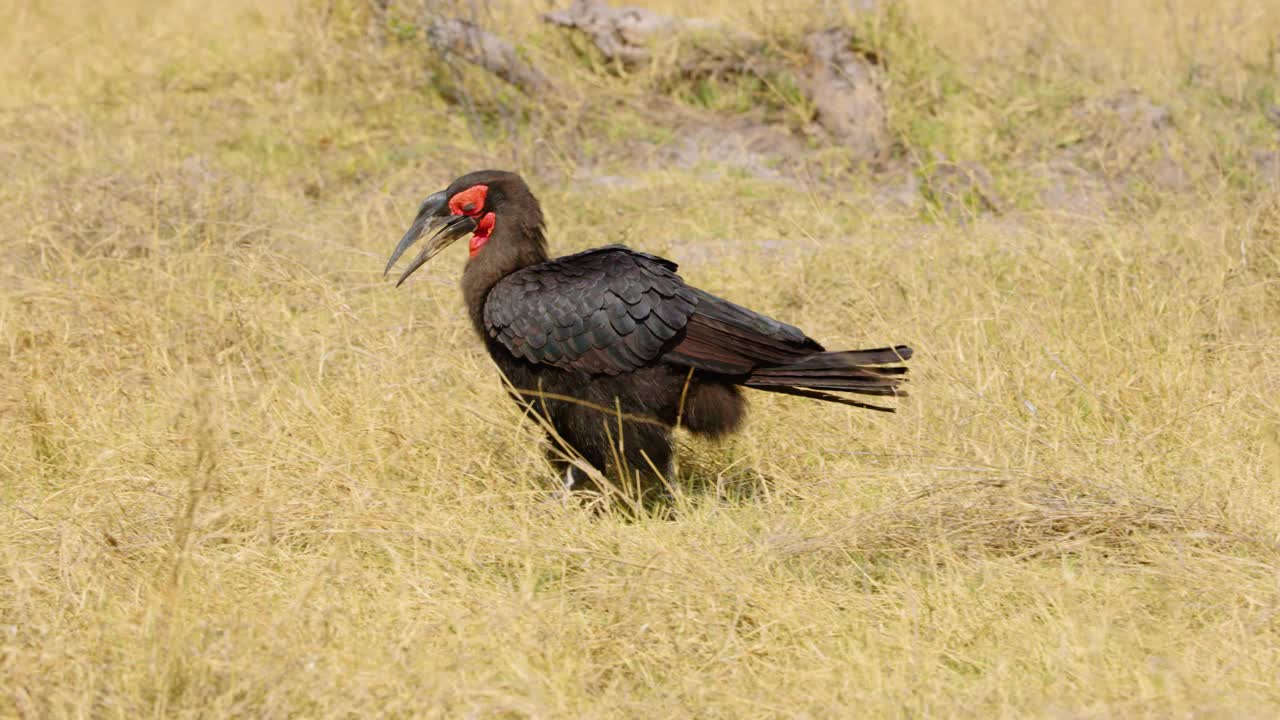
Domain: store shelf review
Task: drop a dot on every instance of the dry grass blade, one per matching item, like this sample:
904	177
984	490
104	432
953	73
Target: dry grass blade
241	476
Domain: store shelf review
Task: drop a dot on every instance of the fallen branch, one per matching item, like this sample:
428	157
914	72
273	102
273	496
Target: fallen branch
481	47
624	34
635	36
846	88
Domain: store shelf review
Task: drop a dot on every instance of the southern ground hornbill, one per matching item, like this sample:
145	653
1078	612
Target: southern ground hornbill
611	348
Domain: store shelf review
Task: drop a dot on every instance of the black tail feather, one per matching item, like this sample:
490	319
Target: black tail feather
848	371
845	359
828	397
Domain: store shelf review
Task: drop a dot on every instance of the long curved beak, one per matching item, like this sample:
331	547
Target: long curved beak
432	216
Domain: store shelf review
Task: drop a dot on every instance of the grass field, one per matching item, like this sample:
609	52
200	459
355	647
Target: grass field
243	476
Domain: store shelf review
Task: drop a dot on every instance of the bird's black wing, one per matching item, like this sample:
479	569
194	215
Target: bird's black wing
729	339
604	311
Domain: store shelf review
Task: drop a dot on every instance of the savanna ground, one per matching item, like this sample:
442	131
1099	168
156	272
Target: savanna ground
241	475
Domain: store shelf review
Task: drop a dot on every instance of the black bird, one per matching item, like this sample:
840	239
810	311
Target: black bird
611	348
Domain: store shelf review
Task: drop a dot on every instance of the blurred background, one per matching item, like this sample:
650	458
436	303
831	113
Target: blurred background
242	475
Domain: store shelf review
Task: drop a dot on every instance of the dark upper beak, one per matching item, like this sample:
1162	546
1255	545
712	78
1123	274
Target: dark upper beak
433	215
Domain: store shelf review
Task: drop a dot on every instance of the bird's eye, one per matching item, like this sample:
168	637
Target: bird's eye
469	201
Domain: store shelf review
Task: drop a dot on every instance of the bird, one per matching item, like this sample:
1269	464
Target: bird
611	349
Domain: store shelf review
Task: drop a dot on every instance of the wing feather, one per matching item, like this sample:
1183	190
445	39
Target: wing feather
609	310
613	310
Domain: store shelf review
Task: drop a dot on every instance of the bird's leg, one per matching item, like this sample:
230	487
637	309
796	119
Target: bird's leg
567	484
635	457
648	456
568	478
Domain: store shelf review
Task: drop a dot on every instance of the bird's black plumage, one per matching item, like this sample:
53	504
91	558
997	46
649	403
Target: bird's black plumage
610	346
610	310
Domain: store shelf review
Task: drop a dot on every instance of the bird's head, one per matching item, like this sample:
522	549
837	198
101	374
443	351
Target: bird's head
475	203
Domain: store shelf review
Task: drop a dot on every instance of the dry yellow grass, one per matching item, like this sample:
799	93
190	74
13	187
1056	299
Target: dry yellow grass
241	476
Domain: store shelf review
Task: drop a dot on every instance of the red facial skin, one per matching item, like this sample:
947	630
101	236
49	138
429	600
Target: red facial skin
483	230
471	202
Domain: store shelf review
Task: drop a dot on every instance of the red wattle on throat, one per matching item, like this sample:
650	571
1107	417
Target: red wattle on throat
484	229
